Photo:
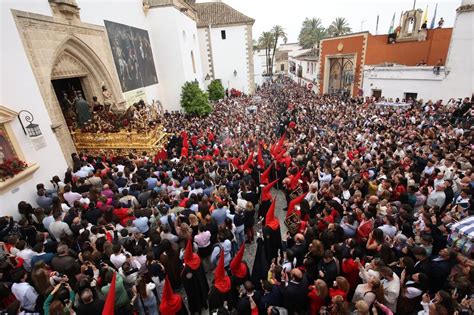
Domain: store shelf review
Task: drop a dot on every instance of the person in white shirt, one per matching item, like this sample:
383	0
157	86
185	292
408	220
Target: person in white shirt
24	292
58	227
389	228
25	253
70	196
391	287
118	257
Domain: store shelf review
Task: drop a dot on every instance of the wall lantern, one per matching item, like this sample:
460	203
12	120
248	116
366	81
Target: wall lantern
235	73
208	77
32	130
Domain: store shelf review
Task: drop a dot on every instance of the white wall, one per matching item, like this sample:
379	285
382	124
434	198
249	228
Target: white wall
460	60
19	91
259	67
202	39
396	81
230	54
173	50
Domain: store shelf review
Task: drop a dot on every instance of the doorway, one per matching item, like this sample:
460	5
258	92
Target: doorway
376	93
67	90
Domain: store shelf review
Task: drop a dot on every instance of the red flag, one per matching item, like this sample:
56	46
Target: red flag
293	203
109	305
294	180
249	162
260	161
265	177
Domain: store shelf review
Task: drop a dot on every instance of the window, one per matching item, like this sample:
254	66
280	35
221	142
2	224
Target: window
192	61
282	67
223	35
307	67
10	150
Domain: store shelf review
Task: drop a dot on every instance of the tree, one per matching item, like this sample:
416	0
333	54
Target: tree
265	41
278	32
194	100
338	27
216	90
312	31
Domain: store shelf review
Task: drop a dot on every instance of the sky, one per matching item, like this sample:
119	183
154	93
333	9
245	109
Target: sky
361	14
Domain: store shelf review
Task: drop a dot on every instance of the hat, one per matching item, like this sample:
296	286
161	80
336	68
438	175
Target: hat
221	280
293	203
265	177
238	268
191	259
266	195
170	302
270	219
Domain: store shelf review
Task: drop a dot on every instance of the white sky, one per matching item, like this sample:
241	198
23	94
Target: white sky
291	13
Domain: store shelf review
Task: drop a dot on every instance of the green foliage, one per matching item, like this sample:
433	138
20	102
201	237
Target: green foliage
194	100
312	31
266	41
339	27
278	32
216	90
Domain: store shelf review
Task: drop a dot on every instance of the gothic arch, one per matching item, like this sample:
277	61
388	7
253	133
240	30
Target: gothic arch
73	48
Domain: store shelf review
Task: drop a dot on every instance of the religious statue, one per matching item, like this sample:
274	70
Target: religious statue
108	101
82	110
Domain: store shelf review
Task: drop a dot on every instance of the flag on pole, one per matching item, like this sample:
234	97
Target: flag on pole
390	30
377	26
110	300
425	16
434	17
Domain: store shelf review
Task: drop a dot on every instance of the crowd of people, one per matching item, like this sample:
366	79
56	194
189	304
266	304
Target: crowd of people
370	195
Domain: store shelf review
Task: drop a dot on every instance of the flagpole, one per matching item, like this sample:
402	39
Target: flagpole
414	4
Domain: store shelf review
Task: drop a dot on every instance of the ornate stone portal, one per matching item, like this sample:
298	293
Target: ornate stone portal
62	47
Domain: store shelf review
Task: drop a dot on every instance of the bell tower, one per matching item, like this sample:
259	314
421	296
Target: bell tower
411	23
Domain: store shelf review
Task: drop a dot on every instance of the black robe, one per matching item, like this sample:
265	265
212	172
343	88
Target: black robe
260	266
263	208
217	299
272	243
196	287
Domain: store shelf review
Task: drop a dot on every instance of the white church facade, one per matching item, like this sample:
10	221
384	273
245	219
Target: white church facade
119	52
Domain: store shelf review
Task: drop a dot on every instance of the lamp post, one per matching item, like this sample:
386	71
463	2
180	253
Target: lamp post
32	130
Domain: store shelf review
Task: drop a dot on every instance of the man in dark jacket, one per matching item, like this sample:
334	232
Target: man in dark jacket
328	270
243	304
294	291
422	264
440	269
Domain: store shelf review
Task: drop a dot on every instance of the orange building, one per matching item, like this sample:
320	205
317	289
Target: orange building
342	58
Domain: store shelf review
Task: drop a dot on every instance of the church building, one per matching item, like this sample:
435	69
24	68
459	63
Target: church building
110	53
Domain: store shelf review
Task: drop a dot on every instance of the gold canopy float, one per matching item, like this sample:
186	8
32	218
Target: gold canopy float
123	142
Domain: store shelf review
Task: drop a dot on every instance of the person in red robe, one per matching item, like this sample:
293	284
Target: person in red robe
221	289
171	303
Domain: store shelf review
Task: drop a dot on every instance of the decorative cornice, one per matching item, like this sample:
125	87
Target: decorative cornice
465	8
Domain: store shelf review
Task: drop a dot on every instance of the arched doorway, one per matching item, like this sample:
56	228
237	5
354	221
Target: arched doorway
75	68
341	75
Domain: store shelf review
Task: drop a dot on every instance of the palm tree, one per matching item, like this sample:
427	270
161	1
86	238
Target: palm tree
278	32
338	27
312	31
265	41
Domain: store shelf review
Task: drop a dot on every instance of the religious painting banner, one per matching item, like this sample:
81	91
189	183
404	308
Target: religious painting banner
133	56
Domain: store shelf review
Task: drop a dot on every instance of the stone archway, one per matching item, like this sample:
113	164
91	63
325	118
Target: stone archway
58	49
74	59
